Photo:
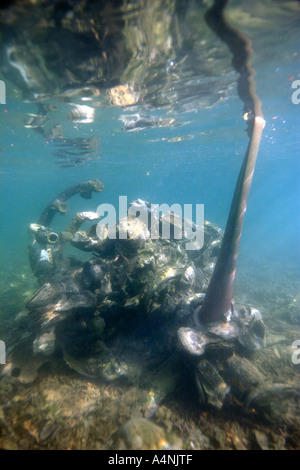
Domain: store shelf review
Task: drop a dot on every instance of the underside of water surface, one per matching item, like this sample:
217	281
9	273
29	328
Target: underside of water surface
100	341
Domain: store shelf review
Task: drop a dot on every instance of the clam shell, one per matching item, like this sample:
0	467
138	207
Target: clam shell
243	374
192	341
210	384
223	330
253	336
43	296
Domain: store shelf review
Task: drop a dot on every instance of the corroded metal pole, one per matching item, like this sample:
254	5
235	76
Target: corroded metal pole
217	302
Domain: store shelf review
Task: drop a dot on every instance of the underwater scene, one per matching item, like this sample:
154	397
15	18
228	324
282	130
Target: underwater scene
142	307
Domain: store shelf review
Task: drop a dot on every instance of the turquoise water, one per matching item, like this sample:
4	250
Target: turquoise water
147	164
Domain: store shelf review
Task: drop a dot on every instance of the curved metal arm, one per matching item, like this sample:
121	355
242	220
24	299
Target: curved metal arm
41	248
58	204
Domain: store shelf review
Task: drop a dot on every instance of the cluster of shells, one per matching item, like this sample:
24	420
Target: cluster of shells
132	295
132	308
